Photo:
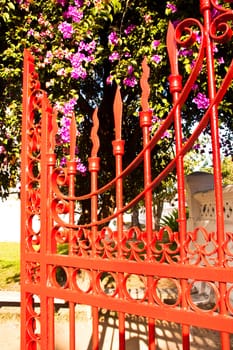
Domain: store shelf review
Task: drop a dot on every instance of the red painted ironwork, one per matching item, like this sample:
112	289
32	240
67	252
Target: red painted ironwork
93	251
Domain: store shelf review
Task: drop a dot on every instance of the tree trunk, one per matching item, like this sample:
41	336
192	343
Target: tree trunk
157	212
135	218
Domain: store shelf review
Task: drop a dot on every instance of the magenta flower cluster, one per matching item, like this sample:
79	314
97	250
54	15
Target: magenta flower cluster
64	130
69	107
113	38
202	101
156	58
84	52
115	56
129	29
83	55
130	80
66	29
74	13
64	134
171	7
67	111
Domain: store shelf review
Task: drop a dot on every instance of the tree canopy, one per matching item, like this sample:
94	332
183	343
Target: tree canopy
82	49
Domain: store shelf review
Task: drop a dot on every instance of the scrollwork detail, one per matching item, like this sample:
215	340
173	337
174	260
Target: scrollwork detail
201	247
220	24
219	8
184	33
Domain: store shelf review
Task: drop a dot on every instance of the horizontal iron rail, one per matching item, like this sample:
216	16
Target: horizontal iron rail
152	268
201	319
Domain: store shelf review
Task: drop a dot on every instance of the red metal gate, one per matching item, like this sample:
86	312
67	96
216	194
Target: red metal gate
63	261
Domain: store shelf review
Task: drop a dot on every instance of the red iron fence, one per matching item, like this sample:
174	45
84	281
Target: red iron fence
72	263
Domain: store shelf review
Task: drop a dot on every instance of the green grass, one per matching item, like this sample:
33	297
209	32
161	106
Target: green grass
9	265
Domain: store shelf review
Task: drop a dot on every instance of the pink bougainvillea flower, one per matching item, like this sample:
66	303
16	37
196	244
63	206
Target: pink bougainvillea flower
69	106
221	60
77	59
130	81
81	167
185	52
129	29
114	56
74	13
113	38
171	7
66	29
130	69
166	135
156	58
64	130
79	72
109	80
155	44
78	3
202	101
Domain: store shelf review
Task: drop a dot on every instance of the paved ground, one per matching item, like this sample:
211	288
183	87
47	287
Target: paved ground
168	334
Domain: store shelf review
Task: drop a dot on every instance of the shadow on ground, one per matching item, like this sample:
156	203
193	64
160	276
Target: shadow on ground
168	335
6	269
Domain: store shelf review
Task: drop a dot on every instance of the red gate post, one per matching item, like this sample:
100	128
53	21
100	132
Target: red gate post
205	8
26	300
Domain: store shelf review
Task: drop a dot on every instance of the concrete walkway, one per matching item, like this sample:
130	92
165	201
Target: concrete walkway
168	335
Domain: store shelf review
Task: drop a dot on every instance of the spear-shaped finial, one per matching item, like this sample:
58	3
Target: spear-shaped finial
73	134
145	85
172	49
94	134
117	111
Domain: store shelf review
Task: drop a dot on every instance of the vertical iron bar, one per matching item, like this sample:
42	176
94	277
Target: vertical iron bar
175	89
118	151
71	168
51	247
205	8
145	123
28	68
175	81
94	167
44	224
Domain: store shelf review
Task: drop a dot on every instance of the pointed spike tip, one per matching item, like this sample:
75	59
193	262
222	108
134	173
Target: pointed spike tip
145	85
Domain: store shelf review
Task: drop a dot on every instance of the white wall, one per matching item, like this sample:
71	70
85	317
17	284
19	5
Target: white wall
10	219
